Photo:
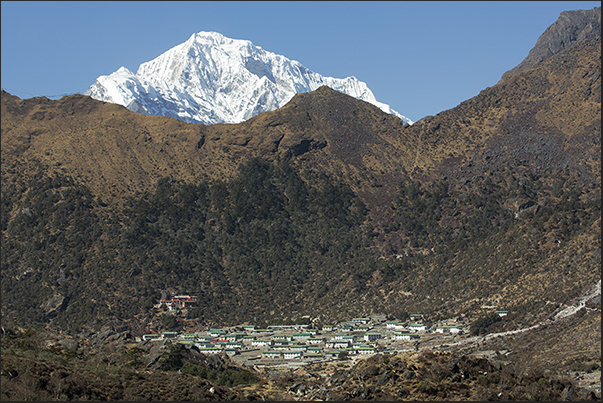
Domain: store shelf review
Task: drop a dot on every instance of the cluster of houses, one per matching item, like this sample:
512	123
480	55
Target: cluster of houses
355	337
358	336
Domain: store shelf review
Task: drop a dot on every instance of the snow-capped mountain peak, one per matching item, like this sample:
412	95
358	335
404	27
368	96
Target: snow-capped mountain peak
214	79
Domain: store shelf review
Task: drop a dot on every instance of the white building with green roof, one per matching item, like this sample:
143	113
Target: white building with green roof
417	327
292	355
261	343
365	350
272	354
315	340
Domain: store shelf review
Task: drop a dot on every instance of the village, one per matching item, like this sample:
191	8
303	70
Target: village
298	344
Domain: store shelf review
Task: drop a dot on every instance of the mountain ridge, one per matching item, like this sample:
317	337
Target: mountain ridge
212	79
571	27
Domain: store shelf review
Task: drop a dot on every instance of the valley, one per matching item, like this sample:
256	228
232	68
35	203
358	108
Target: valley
324	250
432	366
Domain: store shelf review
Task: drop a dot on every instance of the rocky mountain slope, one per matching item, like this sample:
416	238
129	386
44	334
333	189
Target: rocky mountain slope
214	79
571	27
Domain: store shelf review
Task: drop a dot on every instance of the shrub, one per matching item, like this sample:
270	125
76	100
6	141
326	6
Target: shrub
481	325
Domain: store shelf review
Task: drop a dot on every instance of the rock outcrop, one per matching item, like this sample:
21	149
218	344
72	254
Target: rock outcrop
571	27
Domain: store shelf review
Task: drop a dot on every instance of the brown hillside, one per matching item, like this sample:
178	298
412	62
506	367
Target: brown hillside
117	152
544	125
112	150
548	117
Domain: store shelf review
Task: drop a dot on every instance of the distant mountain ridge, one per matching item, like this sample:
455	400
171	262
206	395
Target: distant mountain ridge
214	79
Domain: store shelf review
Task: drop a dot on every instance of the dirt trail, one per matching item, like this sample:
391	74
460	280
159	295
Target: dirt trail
564	313
571	310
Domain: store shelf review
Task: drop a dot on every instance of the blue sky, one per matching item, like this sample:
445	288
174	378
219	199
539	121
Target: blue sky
419	57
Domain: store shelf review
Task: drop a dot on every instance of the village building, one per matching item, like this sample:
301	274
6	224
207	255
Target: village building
314	356
365	350
447	329
287	327
179	302
272	354
403	336
390	325
172	306
399	326
281	345
280	342
417	327
185	301
292	355
234	336
301	336
151	336
169	335
363	321
261	343
372	336
337	344
216	332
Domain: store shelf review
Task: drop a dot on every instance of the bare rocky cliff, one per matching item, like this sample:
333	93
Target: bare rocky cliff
571	27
